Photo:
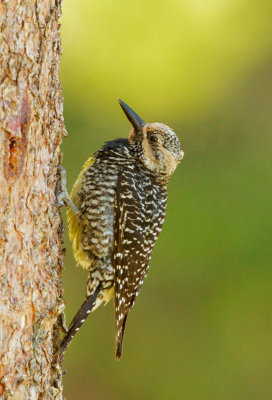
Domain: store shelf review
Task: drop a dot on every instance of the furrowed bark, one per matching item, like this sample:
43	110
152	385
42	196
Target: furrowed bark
31	128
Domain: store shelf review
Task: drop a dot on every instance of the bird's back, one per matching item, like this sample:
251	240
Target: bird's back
93	194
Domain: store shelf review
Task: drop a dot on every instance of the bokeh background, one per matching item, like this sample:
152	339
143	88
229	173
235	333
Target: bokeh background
202	325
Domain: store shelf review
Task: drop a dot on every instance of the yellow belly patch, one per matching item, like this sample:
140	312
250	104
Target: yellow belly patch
75	224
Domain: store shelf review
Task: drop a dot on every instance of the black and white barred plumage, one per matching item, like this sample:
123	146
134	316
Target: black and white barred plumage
115	214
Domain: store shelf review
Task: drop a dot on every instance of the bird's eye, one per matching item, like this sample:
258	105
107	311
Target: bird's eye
153	138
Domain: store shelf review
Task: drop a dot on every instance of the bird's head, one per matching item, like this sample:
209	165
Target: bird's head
157	146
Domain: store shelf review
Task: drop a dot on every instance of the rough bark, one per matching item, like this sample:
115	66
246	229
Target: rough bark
31	127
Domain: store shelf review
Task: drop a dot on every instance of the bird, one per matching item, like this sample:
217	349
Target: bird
115	213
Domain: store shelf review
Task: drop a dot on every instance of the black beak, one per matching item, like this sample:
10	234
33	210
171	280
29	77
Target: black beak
134	119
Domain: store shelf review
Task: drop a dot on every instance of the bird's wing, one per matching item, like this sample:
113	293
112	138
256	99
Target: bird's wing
132	250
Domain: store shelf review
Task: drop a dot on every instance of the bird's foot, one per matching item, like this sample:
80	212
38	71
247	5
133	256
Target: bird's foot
63	194
62	322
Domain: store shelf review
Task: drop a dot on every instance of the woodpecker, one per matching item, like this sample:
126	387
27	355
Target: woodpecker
115	213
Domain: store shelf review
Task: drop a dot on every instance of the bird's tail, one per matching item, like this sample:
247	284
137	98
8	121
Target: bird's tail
120	329
78	321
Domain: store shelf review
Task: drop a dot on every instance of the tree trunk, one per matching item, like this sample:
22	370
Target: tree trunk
31	128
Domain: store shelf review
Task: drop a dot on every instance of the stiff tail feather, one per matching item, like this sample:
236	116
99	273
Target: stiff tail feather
119	339
79	320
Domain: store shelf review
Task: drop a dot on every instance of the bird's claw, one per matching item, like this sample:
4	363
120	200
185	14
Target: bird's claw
60	202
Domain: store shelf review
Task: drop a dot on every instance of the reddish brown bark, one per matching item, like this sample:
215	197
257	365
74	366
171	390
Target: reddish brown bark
31	127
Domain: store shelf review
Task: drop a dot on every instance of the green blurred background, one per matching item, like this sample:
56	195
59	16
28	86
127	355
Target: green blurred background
202	325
